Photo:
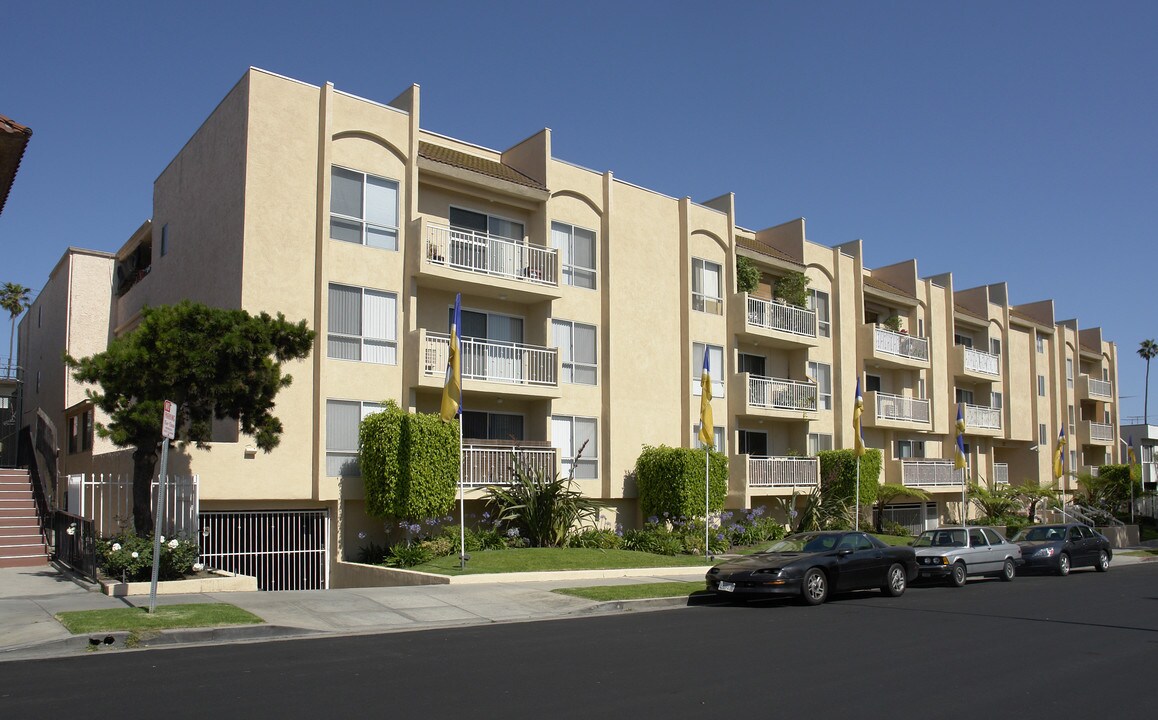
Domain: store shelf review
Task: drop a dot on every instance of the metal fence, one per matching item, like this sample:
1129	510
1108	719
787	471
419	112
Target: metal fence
778	316
494	361
783	472
283	549
781	394
74	542
491	255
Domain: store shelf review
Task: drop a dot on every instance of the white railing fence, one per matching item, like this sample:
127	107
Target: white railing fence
900	344
780	394
494	465
492	361
1101	431
782	317
899	407
930	473
977	416
107	500
1101	388
979	361
783	471
491	255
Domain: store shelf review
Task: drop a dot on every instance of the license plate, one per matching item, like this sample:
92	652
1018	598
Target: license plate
726	586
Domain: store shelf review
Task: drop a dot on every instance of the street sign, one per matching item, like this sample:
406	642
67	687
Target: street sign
169	420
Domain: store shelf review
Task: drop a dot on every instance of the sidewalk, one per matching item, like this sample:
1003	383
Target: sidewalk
29	597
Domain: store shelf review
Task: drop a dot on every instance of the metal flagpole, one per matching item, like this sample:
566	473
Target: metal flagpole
857	521
707	484
461	500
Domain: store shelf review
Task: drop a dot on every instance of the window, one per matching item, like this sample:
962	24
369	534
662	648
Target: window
755	365
717	437
1073	459
492	426
1147	454
1041	343
994	346
818	442
86	427
569	435
993	537
964	396
576	248
821	373
909	449
707	287
363	209
486	224
753	443
1070	373
164	239
819	302
1041	385
921	327
976	539
362	325
1106	374
343	421
1042	435
959	339
73	434
1071	415
920	388
715	367
576	343
872	383
1106	417
995	400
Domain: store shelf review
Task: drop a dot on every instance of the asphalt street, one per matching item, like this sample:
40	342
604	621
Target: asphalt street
1038	647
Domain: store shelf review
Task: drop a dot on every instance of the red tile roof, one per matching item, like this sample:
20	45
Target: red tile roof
874	283
466	161
13	140
763	249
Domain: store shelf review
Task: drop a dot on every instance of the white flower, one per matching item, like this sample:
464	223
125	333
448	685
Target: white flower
136	554
116	547
198	567
173	544
162	539
362	535
71	529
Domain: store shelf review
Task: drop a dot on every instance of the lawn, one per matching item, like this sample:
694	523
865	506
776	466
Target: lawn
194	615
546	559
635	591
1148	552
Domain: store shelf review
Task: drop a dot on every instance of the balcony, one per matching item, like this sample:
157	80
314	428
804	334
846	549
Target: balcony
1097	433
1093	389
980	420
775	324
894	411
931	474
779	398
782	473
975	364
488	265
881	346
485	463
488	366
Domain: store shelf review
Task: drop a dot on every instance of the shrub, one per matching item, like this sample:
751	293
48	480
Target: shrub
670	481
598	538
838	476
409	463
542	510
405	555
678	536
892	527
751	528
130	558
372	554
792	289
747	274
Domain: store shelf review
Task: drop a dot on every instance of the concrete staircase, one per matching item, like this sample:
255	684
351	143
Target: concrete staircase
21	541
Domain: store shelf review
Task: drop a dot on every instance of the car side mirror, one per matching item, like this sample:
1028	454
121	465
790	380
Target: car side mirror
843	552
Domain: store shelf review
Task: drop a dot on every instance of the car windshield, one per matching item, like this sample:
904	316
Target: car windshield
1044	533
807	542
941	538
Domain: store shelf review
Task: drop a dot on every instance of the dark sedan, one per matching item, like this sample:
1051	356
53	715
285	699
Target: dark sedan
1061	547
811	565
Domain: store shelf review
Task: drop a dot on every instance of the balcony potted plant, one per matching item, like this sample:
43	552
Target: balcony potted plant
893	322
792	289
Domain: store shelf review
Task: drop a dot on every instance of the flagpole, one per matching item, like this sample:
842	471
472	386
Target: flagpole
461	502
857	521
707	485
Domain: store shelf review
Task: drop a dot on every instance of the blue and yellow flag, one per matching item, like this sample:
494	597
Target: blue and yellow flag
959	454
857	411
452	389
707	426
1058	468
1131	459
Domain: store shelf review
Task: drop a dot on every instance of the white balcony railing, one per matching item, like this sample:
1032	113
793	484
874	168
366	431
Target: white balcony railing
930	473
978	416
778	316
898	407
979	361
1000	473
1101	388
778	394
900	344
494	361
783	471
490	255
1101	431
493	465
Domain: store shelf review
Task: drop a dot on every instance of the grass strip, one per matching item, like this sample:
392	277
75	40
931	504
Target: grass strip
547	559
194	615
1152	552
634	591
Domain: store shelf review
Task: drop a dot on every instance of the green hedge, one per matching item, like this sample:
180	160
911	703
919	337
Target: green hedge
671	480
409	463
838	475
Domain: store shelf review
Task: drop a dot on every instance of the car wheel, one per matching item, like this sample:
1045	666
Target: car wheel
1103	563
958	575
1063	564
814	589
895	582
1008	570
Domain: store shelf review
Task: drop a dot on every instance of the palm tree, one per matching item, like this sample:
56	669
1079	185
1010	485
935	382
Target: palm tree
1147	350
14	299
888	492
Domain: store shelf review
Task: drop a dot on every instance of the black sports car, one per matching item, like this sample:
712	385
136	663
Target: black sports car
811	565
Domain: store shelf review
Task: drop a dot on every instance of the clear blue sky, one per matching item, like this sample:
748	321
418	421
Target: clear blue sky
1001	141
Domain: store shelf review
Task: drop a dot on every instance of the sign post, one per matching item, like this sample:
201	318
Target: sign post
168	431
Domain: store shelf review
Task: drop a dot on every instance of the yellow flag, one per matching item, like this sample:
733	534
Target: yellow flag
1057	454
707	426
452	389
857	411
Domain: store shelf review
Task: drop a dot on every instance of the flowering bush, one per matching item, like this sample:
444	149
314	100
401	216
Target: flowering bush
750	528
130	557
674	536
600	538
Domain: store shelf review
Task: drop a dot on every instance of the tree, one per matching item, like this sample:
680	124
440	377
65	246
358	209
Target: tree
1147	350
1034	495
888	492
14	299
212	363
993	503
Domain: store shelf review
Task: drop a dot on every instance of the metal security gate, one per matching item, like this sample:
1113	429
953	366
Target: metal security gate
911	516
283	549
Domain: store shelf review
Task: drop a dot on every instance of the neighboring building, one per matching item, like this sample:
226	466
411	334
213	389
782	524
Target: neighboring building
1145	442
589	303
14	139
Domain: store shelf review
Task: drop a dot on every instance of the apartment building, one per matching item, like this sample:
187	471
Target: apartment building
588	304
